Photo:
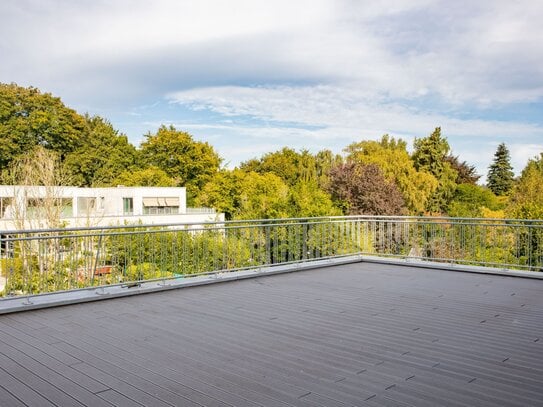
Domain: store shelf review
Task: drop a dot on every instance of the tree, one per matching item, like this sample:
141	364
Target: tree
284	163
102	156
246	195
500	178
473	201
325	161
307	199
38	208
42	206
430	156
148	177
391	156
262	197
467	174
305	174
363	190
29	118
526	201
190	163
293	167
222	192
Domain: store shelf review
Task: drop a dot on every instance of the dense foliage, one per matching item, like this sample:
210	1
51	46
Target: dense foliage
393	160
372	177
430	156
190	163
363	190
527	200
103	154
29	118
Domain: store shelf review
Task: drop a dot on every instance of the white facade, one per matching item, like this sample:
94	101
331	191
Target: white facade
25	206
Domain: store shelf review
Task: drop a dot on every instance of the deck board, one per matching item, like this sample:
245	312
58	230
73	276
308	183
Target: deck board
360	334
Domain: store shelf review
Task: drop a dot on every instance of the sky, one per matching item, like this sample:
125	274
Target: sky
253	76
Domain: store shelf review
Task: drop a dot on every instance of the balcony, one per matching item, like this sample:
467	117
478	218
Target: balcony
378	312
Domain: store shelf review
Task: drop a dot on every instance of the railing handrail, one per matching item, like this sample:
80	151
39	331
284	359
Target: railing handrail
528	222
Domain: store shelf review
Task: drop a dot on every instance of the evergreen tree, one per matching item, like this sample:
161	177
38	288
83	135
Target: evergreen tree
430	155
500	176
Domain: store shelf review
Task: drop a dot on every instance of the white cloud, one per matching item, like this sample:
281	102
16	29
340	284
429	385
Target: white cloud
343	69
332	117
125	26
464	52
521	153
338	107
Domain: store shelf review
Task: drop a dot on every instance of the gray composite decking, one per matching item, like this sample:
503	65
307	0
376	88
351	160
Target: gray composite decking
353	335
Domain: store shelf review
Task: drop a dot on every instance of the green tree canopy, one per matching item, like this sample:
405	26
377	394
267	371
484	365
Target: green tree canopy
471	200
147	177
262	197
222	192
430	152
430	156
306	199
29	118
293	167
527	198
326	160
102	155
285	163
392	158
363	190
190	163
241	194
246	195
500	178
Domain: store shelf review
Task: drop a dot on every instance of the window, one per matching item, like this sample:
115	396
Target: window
42	207
67	210
160	210
128	206
161	206
85	205
5	210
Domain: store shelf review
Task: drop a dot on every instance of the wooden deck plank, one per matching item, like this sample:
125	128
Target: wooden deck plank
7	399
360	334
27	387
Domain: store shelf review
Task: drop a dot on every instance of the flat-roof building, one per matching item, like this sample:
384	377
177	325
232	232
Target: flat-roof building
24	207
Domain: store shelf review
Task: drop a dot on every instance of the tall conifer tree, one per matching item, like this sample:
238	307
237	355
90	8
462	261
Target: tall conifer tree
500	176
430	155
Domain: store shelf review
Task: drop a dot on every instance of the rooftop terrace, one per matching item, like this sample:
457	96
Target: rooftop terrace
360	334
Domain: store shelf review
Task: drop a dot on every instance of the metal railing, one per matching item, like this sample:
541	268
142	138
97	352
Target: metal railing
43	261
200	210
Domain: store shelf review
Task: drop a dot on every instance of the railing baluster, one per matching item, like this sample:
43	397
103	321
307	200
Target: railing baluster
37	262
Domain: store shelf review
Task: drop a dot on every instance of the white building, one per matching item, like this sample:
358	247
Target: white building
77	207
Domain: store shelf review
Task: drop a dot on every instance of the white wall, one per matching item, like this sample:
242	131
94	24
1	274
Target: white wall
112	212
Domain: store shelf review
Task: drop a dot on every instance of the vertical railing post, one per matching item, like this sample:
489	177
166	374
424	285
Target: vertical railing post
305	226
